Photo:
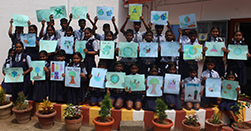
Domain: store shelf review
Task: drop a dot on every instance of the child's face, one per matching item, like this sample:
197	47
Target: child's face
186	31
169	36
68	32
136	26
88	34
193	74
108	37
11	53
19	48
19	29
134	69
76	59
192	37
106	29
159	30
50	31
154	71
149	37
210	66
129	37
42	56
102	66
60	58
238	36
215	32
32	30
63	25
172	70
231	77
82	24
119	67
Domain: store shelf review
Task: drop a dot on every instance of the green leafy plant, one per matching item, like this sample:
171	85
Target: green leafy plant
46	107
2	93
21	102
239	105
192	120
72	112
215	119
161	107
105	109
244	95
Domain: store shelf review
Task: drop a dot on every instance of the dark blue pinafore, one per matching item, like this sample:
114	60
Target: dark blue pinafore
89	59
33	51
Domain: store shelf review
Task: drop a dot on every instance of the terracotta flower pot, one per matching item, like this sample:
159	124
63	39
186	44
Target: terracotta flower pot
213	127
46	121
239	129
190	128
22	116
162	127
5	111
103	126
74	125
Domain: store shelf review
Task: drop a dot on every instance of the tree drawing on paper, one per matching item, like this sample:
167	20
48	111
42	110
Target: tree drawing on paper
67	44
237	51
134	84
185	22
97	78
114	78
171	84
154	82
156	17
106	50
37	70
72	74
14	75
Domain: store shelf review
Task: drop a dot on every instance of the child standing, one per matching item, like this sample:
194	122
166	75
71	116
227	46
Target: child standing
209	73
80	34
77	95
219	64
117	95
57	88
192	70
150	103
225	105
7	86
173	100
97	94
239	66
15	37
91	50
133	97
33	51
20	59
41	88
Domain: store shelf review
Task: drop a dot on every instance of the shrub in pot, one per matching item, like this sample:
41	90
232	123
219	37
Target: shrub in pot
191	123
73	117
239	125
22	109
214	123
104	122
161	123
5	106
46	114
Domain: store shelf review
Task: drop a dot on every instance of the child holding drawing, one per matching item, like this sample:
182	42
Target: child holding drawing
15	37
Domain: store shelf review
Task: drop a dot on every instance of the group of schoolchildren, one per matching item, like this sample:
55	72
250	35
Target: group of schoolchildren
20	56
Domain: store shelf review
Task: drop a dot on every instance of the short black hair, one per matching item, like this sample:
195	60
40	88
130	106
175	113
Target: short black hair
80	20
129	31
192	68
61	52
106	25
137	23
63	20
159	26
133	64
210	60
149	32
193	31
43	52
109	32
118	62
102	63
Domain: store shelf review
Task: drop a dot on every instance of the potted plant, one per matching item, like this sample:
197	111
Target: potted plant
161	123
73	117
214	123
46	114
5	106
239	125
22	109
191	123
104	121
243	97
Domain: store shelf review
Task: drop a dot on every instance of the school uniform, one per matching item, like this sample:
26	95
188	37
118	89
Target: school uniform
209	74
33	51
25	86
15	38
97	95
51	57
194	80
110	62
101	37
57	91
173	98
138	36
76	95
226	104
239	67
134	96
159	38
91	45
184	64
79	34
117	94
219	64
41	88
60	33
6	86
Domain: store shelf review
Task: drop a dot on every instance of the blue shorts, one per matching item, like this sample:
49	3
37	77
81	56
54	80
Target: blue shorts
134	97
114	96
97	97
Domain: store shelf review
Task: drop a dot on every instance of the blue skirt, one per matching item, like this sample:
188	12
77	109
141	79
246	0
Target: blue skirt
41	90
116	96
150	104
97	96
57	91
173	98
7	87
226	105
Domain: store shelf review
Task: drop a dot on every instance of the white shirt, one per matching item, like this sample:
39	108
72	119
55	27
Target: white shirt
189	79
77	34
160	37
138	36
207	73
95	44
18	58
60	33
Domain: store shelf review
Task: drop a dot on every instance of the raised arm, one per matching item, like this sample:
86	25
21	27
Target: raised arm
122	29
70	19
180	33
10	29
115	27
42	29
169	27
93	25
142	19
